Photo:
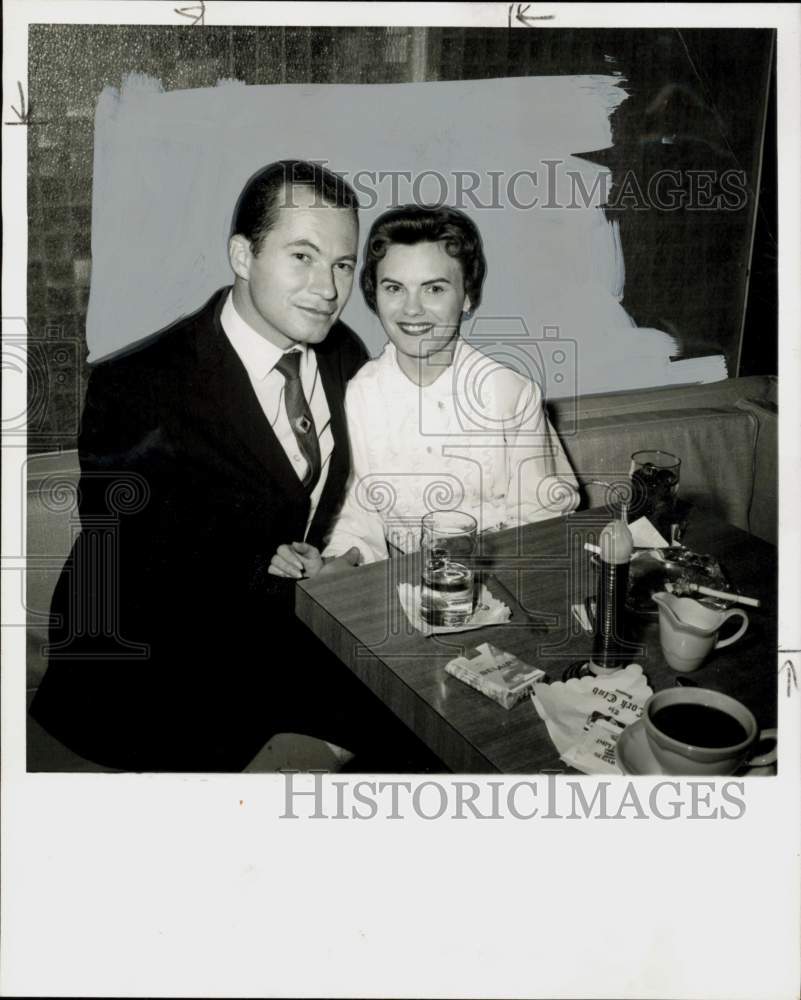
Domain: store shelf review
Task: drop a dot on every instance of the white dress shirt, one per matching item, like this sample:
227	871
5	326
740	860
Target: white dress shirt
260	357
477	440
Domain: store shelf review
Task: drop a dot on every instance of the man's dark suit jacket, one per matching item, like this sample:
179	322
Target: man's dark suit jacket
170	640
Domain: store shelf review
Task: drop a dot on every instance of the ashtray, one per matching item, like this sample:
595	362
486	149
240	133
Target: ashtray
651	569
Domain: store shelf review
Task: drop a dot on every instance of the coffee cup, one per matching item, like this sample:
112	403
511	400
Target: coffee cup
696	731
688	630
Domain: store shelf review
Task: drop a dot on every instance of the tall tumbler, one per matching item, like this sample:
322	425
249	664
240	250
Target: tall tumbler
654	485
448	541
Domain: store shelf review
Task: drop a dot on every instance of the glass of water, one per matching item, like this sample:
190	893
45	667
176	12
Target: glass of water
448	542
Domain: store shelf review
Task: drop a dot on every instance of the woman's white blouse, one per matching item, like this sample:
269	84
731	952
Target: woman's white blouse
475	440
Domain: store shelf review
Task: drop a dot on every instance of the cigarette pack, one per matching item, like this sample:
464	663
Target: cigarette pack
497	674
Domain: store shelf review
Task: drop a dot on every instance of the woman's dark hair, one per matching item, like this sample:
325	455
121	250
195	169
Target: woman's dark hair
410	224
270	189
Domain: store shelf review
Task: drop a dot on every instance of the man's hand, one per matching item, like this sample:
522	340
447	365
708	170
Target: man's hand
296	561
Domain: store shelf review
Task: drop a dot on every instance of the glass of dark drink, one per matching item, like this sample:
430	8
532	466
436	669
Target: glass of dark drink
654	486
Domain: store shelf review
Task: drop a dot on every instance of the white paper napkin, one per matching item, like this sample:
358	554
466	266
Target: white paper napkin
489	611
584	716
645	536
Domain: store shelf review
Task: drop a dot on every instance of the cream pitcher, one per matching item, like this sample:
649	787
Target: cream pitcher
688	630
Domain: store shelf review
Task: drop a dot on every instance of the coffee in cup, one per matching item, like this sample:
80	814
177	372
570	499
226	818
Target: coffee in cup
694	731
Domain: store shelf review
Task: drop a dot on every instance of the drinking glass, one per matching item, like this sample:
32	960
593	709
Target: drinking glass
448	541
654	484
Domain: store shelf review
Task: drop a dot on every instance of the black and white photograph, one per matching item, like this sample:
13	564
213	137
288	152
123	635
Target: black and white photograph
399	451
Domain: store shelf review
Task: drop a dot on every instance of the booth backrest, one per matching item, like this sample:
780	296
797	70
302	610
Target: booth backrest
725	434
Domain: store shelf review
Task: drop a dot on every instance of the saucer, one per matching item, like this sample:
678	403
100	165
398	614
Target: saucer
634	754
635	758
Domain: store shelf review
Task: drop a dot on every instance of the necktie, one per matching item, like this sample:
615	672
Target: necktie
300	417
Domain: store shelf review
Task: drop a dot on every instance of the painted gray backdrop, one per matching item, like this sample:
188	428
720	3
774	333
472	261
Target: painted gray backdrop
168	167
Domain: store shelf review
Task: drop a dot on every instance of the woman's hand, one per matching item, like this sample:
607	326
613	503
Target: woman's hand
300	561
348	560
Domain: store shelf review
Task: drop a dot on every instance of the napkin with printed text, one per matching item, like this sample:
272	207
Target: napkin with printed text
585	716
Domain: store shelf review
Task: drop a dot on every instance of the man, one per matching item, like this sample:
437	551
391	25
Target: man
201	450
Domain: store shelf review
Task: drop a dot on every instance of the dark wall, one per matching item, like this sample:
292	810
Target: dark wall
760	344
703	91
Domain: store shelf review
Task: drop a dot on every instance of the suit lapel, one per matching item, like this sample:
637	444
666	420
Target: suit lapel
225	383
224	386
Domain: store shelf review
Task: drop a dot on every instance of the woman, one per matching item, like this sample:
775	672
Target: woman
434	423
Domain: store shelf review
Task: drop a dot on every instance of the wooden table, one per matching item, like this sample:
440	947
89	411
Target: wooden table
357	614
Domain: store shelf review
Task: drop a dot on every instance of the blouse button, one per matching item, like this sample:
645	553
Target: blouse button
429	449
441	405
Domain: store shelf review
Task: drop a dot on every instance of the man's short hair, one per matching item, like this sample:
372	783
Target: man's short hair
269	190
410	224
